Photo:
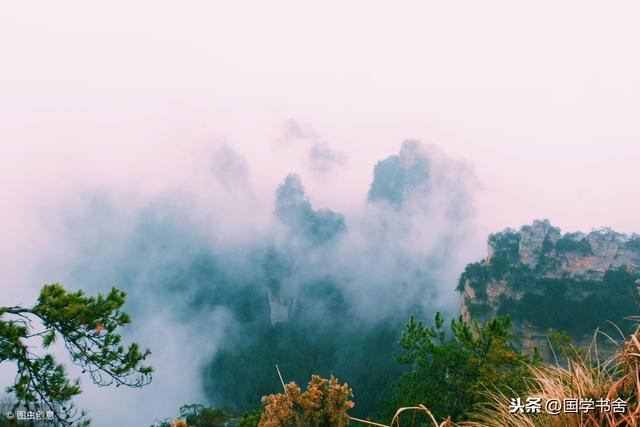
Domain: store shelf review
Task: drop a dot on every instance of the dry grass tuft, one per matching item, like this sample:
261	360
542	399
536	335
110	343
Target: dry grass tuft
583	378
413	410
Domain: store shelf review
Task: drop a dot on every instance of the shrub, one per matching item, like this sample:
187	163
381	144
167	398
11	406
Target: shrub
196	415
250	419
569	244
583	378
450	370
324	404
634	242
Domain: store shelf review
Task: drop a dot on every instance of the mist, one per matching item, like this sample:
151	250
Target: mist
213	278
254	180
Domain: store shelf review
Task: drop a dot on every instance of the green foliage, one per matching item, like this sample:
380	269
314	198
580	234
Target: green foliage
250	419
242	371
547	245
506	244
563	346
478	274
576	307
634	242
88	328
197	415
499	266
569	243
204	416
478	311
451	370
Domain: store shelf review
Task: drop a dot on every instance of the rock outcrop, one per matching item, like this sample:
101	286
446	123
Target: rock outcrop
546	280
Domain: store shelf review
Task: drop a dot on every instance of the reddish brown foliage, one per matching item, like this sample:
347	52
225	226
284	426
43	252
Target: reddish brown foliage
325	403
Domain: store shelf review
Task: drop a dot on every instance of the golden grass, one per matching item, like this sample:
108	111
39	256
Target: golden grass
395	422
583	378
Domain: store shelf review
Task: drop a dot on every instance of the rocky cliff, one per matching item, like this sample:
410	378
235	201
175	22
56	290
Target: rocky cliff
546	280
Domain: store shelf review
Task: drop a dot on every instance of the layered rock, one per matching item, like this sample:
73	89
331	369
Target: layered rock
547	280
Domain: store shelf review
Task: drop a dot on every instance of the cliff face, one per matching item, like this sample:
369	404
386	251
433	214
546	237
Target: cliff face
546	280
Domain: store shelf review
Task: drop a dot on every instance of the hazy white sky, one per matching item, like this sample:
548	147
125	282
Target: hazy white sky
541	98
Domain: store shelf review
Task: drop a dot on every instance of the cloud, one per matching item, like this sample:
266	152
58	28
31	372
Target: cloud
210	283
320	157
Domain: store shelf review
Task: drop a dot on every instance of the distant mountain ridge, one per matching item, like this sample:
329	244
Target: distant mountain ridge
546	280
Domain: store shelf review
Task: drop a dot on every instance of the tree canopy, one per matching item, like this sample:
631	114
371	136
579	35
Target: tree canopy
450	371
89	328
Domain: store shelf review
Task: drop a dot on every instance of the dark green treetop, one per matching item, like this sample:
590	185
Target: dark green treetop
452	370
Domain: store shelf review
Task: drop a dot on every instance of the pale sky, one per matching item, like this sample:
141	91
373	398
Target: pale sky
541	99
